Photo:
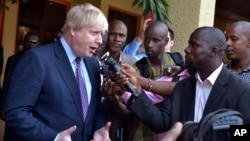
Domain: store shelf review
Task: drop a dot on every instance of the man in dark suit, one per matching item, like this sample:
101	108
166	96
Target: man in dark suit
212	87
1	65
1	59
31	40
44	102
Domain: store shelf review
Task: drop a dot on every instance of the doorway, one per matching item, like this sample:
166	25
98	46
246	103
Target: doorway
131	20
44	17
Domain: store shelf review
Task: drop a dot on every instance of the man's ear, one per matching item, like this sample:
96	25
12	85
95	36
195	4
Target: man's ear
215	51
172	43
167	40
248	45
72	31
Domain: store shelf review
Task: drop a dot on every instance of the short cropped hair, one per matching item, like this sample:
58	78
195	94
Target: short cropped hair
171	33
84	15
31	33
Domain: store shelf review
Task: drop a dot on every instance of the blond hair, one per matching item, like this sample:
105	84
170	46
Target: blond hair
84	15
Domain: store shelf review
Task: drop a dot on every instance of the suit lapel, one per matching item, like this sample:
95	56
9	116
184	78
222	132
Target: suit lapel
190	99
217	92
64	67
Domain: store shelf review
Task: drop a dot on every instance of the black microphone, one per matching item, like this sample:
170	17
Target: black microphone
115	67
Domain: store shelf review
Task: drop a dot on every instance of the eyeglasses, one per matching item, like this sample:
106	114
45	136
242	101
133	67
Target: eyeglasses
32	42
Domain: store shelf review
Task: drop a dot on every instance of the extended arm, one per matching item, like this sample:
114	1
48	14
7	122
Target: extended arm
132	47
162	88
140	106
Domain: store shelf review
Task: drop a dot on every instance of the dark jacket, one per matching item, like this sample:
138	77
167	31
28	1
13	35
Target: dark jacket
229	91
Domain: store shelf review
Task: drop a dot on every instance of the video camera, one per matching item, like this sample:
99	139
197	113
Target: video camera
214	126
109	64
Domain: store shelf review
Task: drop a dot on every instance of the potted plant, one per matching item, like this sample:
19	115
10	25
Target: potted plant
159	8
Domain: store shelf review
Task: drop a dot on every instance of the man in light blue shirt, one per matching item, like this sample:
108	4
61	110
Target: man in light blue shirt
134	47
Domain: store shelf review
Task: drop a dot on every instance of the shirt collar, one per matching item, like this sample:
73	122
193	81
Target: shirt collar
68	50
212	77
229	66
120	58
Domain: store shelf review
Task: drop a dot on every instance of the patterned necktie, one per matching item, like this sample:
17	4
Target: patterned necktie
83	92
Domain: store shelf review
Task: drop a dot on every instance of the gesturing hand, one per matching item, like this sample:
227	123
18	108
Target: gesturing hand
173	133
66	134
102	134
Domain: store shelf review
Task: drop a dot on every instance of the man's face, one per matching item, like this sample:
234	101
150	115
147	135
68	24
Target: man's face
117	37
237	43
198	50
154	42
86	40
31	41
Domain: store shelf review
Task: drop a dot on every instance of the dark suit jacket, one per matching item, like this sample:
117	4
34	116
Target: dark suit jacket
10	65
1	59
1	66
229	91
44	97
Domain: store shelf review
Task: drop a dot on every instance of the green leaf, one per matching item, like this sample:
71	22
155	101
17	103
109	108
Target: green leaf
162	11
152	5
158	7
144	8
137	2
